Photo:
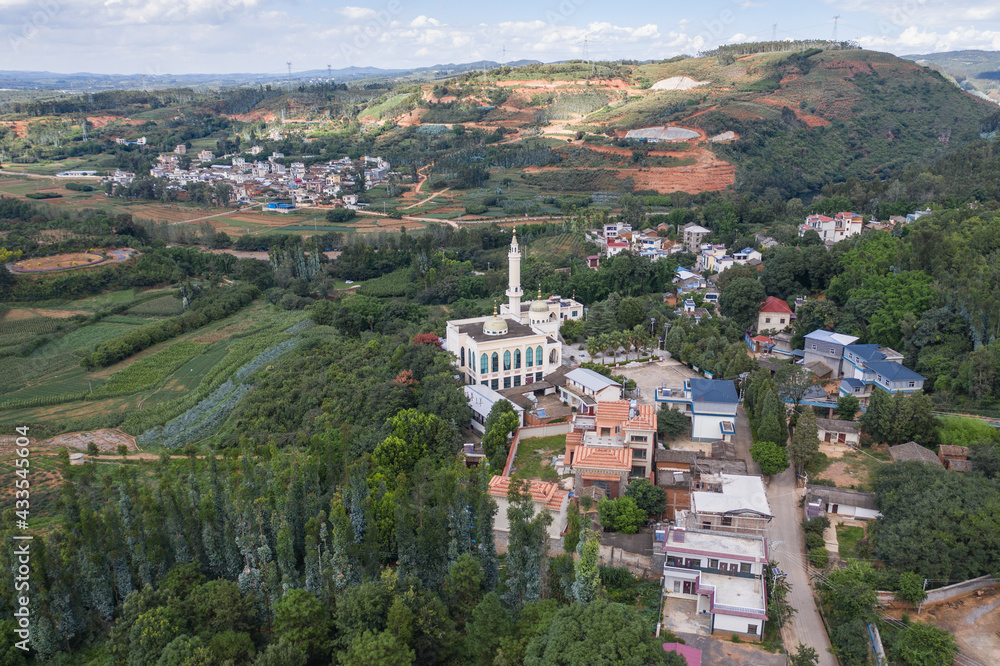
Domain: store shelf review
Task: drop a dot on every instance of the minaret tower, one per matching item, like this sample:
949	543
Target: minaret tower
514	278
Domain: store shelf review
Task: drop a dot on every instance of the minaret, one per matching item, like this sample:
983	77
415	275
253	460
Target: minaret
514	278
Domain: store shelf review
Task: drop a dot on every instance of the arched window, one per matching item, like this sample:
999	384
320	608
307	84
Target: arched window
483	364
539	358
496	362
529	358
553	357
506	360
461	359
517	359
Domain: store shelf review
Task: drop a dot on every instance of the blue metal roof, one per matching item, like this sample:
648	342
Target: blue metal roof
713	390
866	352
894	372
852	382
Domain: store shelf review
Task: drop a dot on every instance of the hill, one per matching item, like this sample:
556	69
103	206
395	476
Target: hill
977	72
793	121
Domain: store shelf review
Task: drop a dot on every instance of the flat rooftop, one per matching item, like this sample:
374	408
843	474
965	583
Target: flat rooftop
739	493
718	542
734	591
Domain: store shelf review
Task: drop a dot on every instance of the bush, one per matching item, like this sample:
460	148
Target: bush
338	215
814	541
476	209
816	525
621	515
818	557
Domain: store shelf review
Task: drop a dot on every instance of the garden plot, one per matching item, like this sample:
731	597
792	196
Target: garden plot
107	440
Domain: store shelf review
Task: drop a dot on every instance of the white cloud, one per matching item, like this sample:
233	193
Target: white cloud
916	40
425	22
357	13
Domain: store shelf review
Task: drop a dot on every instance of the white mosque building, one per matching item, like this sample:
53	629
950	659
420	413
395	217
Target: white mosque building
518	346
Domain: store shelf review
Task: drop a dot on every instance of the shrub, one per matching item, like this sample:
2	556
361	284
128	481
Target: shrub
818	557
621	515
476	209
816	524
340	215
814	540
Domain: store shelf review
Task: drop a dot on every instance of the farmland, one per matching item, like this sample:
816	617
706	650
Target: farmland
50	391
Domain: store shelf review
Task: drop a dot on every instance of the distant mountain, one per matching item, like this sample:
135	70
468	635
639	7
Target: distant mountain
88	82
977	72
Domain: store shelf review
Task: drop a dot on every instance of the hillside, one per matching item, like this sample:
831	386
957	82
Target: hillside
801	119
974	71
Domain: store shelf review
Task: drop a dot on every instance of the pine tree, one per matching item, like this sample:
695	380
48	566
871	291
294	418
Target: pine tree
771	425
587	585
526	547
805	440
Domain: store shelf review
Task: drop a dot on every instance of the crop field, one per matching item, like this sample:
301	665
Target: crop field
389	285
164	306
150	370
90	336
46	482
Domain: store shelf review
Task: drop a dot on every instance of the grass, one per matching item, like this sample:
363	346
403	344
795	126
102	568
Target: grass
534	457
848	537
818	464
89	336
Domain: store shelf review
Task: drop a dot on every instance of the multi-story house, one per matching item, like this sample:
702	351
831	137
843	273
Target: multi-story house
584	389
774	316
828	348
711	403
833	229
693	235
723	573
613	446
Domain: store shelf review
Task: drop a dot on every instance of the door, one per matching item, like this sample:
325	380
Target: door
688	587
834	508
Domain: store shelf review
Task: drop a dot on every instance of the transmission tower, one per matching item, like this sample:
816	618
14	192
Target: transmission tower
289	71
329	72
503	57
835	19
774	32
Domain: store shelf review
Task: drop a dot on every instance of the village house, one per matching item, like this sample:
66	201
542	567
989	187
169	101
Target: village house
546	497
724	573
850	504
711	403
838	432
833	229
583	389
693	236
728	503
613	446
913	451
481	400
955	458
774	316
828	348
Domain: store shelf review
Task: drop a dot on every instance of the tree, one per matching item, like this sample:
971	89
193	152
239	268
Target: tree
771	425
526	546
671	423
911	588
300	618
381	648
579	633
847	407
463	586
587	584
489	624
649	497
772	458
740	301
495	439
877	419
920	644
793	382
621	515
805	440
803	656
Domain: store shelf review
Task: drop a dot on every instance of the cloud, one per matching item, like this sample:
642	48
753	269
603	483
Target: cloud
917	40
357	13
425	22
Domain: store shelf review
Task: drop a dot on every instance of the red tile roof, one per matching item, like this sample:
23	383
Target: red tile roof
549	494
604	458
773	304
616	413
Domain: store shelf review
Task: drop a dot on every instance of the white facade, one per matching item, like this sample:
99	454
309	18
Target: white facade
481	400
724	573
833	229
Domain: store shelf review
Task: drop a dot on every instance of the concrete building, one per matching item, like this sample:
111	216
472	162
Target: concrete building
828	348
833	229
711	403
613	446
839	432
693	236
851	504
774	316
724	573
729	503
548	497
585	388
481	400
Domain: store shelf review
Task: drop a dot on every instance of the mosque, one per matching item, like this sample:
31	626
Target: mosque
517	346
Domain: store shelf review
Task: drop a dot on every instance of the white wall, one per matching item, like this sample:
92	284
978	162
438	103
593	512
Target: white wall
730	623
707	428
555	528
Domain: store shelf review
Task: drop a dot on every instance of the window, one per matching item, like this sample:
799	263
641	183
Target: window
495	362
911	385
538	356
713	564
833	350
706	524
781	321
506	361
538	376
517	359
484	366
461	360
639	438
529	358
517	380
494	385
814	346
751	628
639	454
767	320
727	521
574	313
880	379
744	567
639	471
506	382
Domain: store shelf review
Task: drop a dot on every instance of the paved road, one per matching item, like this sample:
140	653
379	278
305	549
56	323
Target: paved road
786	544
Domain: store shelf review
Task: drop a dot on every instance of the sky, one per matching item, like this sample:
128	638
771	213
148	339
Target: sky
260	36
